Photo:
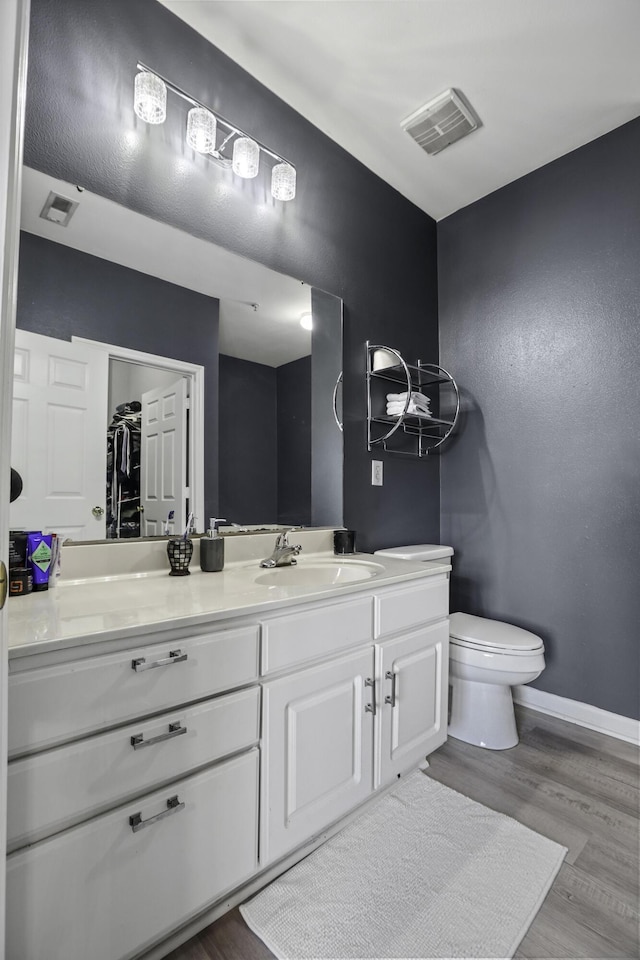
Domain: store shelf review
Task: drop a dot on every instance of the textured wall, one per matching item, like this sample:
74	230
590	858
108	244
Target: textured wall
248	442
539	288
346	232
63	292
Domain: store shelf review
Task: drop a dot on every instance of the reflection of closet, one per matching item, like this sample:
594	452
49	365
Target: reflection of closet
413	434
123	471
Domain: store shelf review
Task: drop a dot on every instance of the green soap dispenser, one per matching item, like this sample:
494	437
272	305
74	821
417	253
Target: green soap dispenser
212	548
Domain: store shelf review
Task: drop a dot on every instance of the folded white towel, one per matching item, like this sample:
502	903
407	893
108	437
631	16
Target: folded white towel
412	413
415	395
415	409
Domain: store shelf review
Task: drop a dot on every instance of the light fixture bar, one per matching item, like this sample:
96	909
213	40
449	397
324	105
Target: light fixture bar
198	103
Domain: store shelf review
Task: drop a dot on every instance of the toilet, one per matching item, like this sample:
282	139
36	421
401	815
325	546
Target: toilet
486	659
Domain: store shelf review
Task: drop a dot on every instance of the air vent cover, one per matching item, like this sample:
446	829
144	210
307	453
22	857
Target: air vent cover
58	209
441	122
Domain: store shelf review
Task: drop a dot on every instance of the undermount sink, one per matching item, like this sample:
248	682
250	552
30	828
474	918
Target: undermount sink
319	573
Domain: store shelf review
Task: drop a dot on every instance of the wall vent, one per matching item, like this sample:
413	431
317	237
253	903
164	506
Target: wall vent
441	122
58	209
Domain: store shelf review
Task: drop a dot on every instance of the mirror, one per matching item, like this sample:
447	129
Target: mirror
119	317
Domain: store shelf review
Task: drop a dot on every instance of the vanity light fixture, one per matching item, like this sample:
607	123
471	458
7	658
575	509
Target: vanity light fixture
201	130
150	101
204	128
246	157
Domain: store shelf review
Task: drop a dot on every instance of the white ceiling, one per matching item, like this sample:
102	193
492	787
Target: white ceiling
545	77
269	334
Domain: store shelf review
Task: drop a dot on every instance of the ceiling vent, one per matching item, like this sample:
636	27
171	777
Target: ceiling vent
58	209
441	122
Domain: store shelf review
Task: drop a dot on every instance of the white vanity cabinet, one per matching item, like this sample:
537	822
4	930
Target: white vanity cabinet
335	731
150	783
145	811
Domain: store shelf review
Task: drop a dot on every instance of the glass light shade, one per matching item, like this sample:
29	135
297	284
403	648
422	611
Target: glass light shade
201	130
306	319
246	157
283	182
150	102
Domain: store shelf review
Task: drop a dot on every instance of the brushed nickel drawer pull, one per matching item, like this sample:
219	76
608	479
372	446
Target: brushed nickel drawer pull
173	805
390	675
371	707
175	730
175	656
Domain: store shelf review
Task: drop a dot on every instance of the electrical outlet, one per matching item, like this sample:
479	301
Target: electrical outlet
376	473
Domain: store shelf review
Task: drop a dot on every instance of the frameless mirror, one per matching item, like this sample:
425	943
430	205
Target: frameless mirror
157	374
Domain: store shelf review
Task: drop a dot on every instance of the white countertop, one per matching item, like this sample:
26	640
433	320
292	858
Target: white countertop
106	608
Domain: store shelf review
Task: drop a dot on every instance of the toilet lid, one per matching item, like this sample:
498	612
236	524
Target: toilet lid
491	634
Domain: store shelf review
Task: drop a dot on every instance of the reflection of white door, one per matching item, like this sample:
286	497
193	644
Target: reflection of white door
59	436
163	458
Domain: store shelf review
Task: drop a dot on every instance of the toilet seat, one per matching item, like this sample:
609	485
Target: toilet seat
492	636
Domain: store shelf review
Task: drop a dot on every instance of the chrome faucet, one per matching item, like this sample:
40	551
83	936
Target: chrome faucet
284	553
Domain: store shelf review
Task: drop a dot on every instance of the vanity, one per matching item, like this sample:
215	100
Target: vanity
172	740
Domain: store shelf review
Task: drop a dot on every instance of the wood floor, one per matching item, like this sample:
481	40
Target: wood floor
573	785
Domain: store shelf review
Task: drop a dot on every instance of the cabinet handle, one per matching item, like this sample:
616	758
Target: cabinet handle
173	805
175	656
390	675
175	730
334	401
371	707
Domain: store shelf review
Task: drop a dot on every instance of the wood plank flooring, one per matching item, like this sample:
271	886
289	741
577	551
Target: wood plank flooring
571	784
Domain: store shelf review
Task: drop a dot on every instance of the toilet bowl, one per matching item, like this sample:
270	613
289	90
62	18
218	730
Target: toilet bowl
486	659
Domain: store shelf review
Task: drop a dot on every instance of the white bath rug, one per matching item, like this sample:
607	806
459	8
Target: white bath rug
424	873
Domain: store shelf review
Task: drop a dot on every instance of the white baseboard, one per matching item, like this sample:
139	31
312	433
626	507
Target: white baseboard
623	728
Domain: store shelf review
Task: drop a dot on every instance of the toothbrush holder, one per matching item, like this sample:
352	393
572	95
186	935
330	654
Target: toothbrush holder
179	552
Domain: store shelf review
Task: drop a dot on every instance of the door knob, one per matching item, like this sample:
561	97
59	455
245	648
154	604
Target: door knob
97	512
3	584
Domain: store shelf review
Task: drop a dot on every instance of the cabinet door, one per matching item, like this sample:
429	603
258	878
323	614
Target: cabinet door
318	746
413	673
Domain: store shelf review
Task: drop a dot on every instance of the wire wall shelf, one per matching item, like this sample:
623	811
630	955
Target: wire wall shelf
414	434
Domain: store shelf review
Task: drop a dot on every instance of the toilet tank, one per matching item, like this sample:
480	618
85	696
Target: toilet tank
418	551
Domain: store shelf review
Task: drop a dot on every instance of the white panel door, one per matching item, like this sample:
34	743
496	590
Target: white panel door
59	443
414	674
14	31
163	458
318	738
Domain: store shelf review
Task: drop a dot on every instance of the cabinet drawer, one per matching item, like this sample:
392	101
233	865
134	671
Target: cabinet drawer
315	632
103	891
406	607
52	790
51	704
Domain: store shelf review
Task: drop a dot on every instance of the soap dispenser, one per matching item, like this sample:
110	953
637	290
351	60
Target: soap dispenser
212	548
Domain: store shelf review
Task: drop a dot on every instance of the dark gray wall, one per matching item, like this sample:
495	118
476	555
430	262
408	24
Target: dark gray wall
294	442
540	318
346	232
63	293
248	442
326	440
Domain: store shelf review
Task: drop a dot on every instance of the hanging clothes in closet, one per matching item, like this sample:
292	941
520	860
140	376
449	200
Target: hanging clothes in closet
123	471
